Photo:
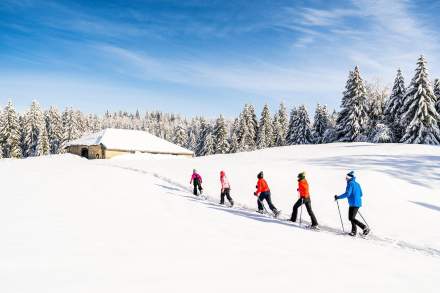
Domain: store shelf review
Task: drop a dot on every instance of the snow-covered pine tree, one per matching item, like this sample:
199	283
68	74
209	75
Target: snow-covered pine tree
252	121
394	106
419	113
10	133
234	145
437	94
208	145
281	124
245	134
221	136
205	129
382	133
376	98
54	126
302	131
34	129
22	123
353	118
43	147
321	123
193	133
71	127
180	135
292	126
265	129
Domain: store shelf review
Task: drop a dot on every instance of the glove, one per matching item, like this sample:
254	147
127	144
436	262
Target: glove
255	193
336	197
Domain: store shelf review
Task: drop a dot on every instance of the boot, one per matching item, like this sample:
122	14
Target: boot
366	231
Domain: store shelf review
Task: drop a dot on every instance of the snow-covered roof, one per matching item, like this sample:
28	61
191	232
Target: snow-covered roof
130	140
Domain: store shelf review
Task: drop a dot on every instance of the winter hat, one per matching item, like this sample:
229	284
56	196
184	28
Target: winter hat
302	175
260	175
194	171
350	174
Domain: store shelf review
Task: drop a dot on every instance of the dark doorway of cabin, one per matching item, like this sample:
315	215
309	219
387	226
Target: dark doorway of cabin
85	153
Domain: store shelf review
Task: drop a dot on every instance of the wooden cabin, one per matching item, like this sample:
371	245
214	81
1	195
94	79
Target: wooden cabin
111	142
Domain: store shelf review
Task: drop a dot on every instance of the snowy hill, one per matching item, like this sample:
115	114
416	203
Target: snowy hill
130	224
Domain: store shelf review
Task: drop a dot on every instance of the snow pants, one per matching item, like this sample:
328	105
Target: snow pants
198	186
226	192
308	203
265	196
352	212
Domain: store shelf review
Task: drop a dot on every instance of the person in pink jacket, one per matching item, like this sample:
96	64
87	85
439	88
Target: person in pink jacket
226	189
196	180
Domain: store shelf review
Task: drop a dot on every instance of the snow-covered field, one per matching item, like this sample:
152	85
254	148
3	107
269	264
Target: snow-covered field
130	224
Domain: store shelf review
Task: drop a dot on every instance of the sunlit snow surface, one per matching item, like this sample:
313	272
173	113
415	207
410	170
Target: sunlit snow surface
131	224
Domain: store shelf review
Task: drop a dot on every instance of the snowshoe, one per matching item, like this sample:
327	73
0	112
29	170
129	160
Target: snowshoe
276	213
366	231
314	227
260	211
232	203
353	234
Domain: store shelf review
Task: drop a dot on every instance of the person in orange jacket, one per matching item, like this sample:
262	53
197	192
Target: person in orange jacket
304	198
263	193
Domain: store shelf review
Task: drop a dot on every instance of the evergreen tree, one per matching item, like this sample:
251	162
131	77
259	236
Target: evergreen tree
321	123
22	123
353	118
34	130
54	126
43	147
291	132
437	94
376	96
420	114
180	135
301	132
253	125
205	130
382	133
265	130
10	133
245	130
393	109
208	145
193	133
281	124
221	136
234	145
71	125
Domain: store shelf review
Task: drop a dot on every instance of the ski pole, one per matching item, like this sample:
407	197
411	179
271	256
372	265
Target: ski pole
301	212
264	208
342	223
364	219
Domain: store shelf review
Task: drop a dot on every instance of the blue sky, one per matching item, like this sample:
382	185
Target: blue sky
206	57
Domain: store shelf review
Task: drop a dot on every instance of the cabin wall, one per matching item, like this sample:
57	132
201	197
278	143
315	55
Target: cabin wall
98	152
93	151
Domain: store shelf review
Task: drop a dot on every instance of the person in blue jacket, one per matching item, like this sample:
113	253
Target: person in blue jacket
353	193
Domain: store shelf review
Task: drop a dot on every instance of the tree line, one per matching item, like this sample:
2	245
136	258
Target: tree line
368	113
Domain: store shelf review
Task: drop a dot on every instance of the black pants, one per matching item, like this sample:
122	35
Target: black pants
308	203
352	211
198	186
265	196
226	192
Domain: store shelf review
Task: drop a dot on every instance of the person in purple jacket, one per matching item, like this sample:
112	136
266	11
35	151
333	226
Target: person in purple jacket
196	180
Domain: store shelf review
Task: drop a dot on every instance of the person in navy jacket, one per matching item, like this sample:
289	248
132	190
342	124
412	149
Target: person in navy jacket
353	193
